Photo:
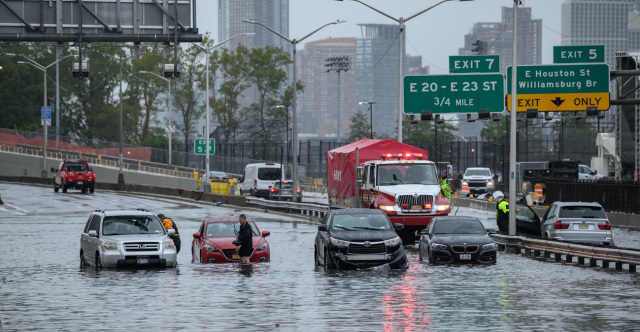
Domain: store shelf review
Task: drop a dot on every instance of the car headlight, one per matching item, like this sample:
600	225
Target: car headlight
110	246
390	208
489	246
489	183
339	243
262	247
392	242
465	183
439	246
210	248
168	244
443	207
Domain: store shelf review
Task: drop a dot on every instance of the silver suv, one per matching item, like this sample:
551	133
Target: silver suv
577	222
121	238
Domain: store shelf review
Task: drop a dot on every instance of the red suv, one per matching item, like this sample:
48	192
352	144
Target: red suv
74	174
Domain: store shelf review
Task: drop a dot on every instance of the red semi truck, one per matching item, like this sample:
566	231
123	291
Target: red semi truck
388	175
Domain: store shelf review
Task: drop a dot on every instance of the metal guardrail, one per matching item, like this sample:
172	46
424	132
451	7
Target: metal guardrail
545	248
309	209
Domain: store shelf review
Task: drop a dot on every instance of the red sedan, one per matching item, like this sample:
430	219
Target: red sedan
212	243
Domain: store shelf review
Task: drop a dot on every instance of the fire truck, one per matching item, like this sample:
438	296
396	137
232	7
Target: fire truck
388	175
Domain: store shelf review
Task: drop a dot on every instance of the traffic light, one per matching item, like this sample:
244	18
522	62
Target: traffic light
480	47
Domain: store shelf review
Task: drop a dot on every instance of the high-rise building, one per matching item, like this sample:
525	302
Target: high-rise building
499	38
603	22
377	69
319	106
272	13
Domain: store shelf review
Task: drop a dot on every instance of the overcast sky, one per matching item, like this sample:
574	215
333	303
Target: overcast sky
434	35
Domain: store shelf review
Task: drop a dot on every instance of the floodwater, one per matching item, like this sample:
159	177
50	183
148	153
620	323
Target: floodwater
43	288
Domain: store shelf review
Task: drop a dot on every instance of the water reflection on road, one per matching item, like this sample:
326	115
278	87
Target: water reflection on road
43	288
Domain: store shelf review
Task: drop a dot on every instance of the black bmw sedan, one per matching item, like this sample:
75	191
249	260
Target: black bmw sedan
456	239
358	238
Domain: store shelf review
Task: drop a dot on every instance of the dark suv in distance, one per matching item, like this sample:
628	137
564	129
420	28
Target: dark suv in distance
358	238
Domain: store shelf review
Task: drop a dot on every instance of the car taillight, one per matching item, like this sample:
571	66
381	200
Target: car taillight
274	189
605	227
559	225
427	206
298	190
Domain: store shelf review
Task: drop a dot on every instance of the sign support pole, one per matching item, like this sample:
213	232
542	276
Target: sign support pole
513	134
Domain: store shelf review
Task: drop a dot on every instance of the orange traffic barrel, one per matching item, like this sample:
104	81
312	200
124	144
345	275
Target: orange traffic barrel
538	189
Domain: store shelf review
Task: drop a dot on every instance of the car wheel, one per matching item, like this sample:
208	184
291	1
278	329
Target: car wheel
315	256
420	251
83	190
92	189
430	256
251	192
328	264
55	188
82	261
64	189
98	261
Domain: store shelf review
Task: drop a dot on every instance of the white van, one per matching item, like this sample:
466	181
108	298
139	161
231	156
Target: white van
258	179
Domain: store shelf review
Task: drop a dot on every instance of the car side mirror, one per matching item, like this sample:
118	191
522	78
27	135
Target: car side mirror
491	231
359	183
265	233
594	172
53	170
93	233
398	226
460	176
322	228
196	235
424	232
172	232
495	176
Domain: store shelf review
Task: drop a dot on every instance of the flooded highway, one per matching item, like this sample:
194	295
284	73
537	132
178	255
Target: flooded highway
43	288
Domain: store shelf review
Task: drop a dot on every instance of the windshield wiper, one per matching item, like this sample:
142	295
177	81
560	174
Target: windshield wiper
369	228
342	227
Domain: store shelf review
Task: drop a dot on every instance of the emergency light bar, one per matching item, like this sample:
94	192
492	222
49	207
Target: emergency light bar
402	156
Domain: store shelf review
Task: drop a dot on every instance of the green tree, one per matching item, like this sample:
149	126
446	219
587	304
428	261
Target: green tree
188	91
425	131
495	131
360	127
267	74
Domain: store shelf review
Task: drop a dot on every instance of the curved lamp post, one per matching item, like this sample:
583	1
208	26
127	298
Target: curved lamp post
294	134
34	64
401	21
208	52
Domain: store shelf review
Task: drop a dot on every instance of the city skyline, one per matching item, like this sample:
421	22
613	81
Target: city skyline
307	15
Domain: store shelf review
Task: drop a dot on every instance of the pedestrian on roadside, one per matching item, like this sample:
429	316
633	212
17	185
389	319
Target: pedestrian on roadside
245	237
168	224
502	214
233	182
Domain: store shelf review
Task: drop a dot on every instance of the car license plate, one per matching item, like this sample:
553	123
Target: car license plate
79	182
234	256
416	207
465	257
583	226
143	260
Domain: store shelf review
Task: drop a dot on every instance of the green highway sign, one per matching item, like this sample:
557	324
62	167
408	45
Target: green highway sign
474	64
578	54
201	146
568	87
457	93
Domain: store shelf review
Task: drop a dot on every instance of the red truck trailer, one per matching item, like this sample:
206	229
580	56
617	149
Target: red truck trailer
394	177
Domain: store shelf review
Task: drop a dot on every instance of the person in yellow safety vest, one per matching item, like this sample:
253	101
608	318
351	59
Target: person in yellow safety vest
445	188
502	214
169	224
233	182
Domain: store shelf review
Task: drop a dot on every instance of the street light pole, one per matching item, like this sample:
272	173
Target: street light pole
208	55
46	131
401	21
286	123
370	115
294	133
169	129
